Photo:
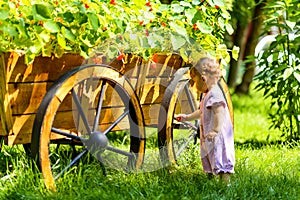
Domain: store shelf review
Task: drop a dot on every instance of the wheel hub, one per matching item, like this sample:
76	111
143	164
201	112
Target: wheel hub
97	142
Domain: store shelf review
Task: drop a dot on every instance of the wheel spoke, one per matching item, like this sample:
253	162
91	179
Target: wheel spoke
185	144
60	132
81	112
119	151
116	122
99	106
76	159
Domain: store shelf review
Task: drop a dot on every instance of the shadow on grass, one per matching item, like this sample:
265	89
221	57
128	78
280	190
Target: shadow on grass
256	144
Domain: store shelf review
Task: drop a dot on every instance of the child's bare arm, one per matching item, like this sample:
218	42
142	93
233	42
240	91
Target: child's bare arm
219	112
188	117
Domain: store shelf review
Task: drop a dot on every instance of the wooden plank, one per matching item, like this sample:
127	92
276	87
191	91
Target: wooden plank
43	68
21	130
25	98
143	70
5	109
129	66
166	65
151	112
153	90
134	66
23	124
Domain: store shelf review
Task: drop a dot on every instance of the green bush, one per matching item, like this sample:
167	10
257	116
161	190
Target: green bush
280	77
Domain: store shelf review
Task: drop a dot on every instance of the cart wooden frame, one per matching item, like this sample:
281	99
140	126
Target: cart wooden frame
68	101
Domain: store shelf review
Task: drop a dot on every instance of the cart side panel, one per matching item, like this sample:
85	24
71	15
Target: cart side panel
26	86
153	83
149	79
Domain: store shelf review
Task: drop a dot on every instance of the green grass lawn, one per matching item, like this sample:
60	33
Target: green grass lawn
251	119
263	171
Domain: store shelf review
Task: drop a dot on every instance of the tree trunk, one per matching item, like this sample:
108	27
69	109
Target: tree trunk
243	87
239	39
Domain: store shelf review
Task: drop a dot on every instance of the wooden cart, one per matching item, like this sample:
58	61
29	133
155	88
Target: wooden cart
55	106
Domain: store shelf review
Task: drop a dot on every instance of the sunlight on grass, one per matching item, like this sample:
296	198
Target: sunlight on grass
251	118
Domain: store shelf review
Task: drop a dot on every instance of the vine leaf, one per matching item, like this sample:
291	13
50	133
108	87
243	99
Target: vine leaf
297	76
287	73
51	26
235	52
177	41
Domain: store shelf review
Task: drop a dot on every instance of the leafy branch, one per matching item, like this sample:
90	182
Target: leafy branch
58	27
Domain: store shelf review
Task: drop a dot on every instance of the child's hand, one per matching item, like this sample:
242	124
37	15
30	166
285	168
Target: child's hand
181	117
211	135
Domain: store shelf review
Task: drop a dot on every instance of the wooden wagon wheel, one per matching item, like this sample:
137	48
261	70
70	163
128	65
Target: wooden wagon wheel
87	125
173	137
178	98
222	84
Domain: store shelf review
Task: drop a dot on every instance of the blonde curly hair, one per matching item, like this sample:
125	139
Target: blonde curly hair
207	66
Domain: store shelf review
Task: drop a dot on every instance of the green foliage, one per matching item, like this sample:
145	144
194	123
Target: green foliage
280	77
57	27
242	12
